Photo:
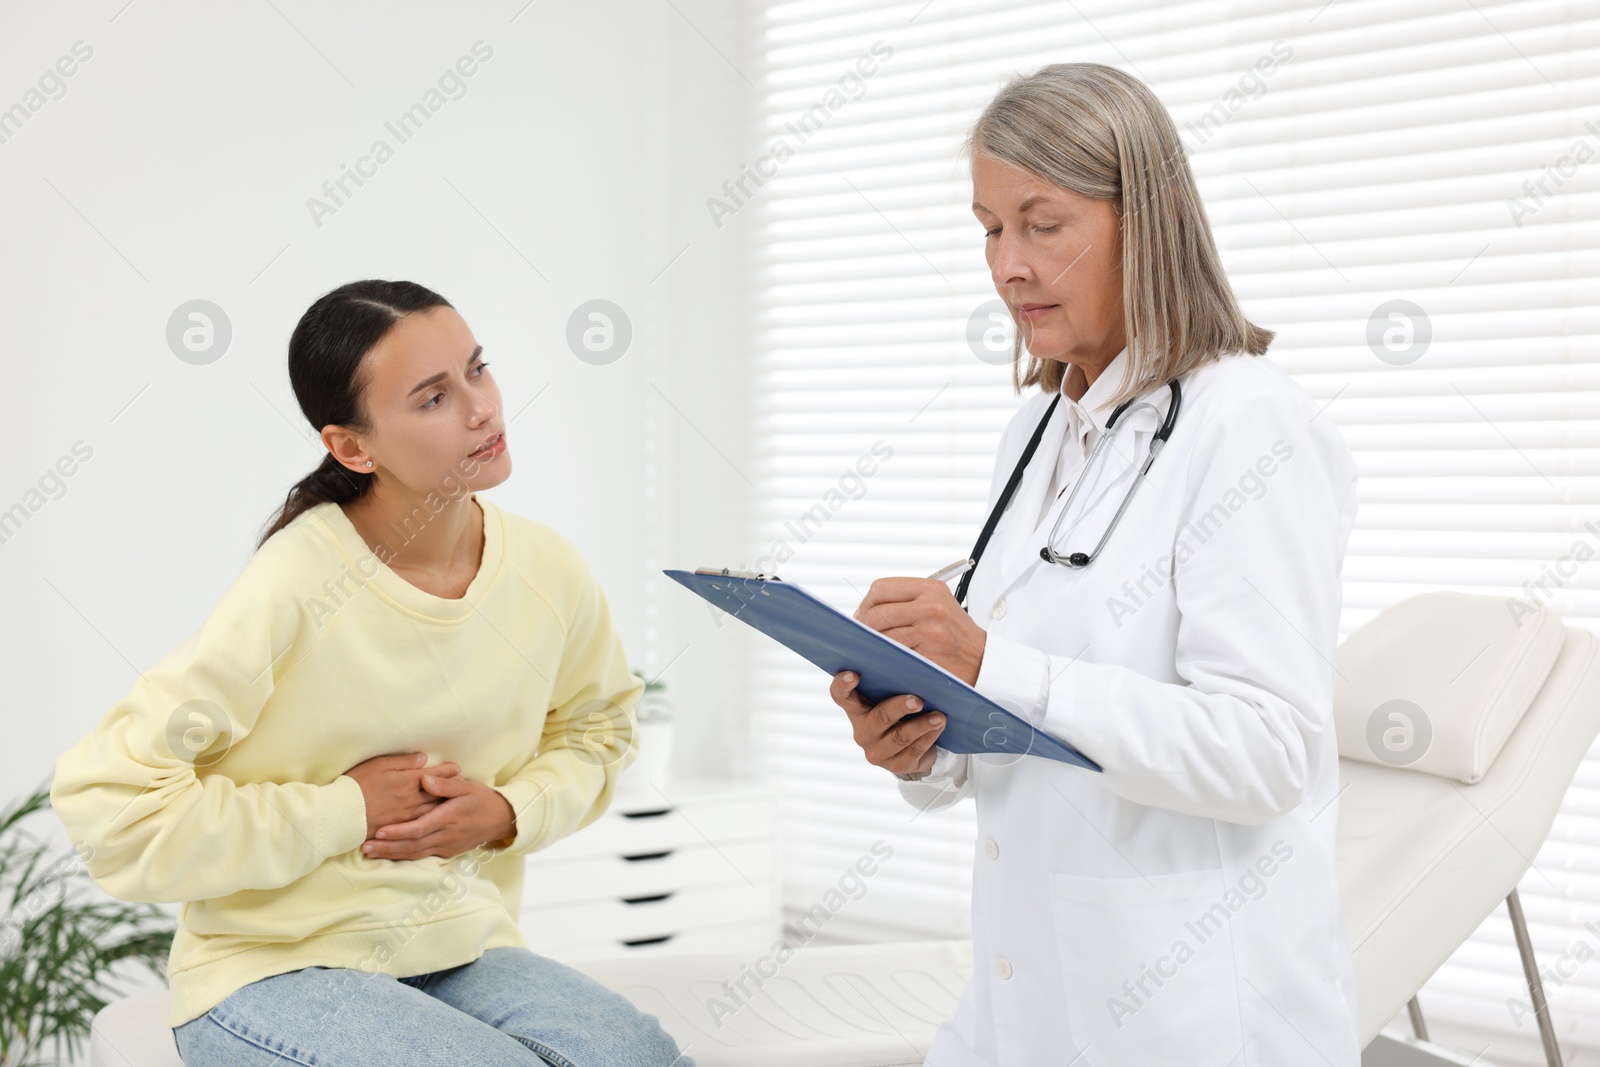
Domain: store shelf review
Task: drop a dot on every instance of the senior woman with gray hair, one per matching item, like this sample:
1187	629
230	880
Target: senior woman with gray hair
1158	585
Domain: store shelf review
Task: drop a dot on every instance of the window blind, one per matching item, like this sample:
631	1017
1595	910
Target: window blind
1350	154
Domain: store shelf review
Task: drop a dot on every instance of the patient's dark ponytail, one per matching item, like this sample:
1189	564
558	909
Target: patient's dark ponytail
325	354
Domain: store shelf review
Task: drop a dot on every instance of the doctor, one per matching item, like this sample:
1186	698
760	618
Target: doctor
1180	906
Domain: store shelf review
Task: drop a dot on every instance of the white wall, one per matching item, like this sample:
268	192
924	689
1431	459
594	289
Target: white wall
177	165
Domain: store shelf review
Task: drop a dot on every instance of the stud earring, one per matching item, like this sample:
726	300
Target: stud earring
369	462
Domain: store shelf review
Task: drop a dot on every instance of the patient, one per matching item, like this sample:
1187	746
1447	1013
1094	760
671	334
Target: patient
341	772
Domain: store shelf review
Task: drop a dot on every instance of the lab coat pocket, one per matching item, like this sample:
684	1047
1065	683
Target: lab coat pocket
1148	968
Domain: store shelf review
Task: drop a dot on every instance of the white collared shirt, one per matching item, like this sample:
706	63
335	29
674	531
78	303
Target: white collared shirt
1084	420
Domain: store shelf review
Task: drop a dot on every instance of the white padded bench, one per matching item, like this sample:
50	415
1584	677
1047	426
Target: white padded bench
835	1006
845	1006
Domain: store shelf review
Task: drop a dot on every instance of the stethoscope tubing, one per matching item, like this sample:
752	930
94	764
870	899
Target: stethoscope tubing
1076	559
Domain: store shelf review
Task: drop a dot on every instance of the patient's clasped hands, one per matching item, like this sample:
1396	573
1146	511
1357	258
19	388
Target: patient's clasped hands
415	811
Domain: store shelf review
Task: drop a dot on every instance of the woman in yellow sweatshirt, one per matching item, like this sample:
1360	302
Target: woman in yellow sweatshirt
340	774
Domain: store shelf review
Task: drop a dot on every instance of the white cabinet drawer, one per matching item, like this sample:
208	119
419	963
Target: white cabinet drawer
562	881
662	826
752	938
648	917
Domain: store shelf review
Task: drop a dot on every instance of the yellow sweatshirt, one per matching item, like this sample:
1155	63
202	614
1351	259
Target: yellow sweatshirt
219	780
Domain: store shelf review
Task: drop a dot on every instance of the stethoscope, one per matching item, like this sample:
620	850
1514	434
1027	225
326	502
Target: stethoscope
1071	559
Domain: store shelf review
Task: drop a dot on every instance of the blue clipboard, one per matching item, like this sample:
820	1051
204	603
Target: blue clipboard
836	642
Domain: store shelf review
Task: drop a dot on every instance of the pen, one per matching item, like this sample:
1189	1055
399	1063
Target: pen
944	574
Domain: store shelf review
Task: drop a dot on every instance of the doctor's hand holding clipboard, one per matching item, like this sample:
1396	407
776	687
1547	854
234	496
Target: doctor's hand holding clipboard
921	614
1157	586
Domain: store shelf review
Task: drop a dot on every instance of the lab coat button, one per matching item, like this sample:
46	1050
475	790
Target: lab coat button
991	848
999	610
1003	968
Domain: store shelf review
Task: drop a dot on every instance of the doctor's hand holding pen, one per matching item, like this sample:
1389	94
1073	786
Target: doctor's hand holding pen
923	615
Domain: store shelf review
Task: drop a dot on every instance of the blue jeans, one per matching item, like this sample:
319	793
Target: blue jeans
510	1006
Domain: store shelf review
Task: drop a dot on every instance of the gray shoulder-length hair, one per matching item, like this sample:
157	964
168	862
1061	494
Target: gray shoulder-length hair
1102	133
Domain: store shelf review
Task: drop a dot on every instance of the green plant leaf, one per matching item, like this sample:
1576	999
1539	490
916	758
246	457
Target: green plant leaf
58	950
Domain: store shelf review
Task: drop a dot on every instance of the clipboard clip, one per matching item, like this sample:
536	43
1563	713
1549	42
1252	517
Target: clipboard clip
724	572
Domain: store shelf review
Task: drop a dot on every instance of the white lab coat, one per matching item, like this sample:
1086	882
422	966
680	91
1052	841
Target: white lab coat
1182	906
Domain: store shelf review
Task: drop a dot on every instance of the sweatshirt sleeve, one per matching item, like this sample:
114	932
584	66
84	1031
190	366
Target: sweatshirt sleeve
134	794
590	730
1242	736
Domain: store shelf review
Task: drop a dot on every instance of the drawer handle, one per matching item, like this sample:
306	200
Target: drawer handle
640	856
646	900
651	814
636	942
